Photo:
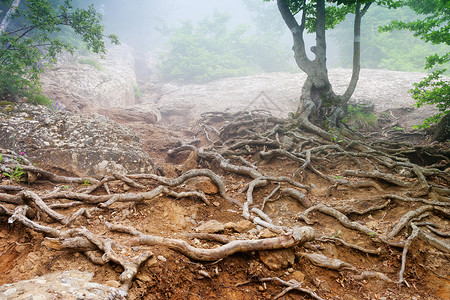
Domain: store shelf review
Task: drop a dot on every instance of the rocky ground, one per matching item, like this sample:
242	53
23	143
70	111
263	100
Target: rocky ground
241	185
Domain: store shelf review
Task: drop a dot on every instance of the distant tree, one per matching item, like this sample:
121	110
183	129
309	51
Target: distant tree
397	50
211	50
29	39
432	27
319	105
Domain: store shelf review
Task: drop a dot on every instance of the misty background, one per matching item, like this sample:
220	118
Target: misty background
203	40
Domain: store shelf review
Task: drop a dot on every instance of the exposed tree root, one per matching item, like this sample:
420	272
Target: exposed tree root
419	190
299	236
291	285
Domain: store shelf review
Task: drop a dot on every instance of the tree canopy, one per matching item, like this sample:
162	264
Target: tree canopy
30	39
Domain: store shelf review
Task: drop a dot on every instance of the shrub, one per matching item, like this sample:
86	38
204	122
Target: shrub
211	51
91	62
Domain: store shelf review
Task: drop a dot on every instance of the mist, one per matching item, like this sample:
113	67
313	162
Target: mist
146	26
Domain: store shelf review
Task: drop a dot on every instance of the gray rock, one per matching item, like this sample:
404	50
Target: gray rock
80	144
68	285
83	88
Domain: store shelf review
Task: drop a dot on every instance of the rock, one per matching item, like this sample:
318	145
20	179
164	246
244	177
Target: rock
113	283
266	233
162	258
191	163
143	277
241	226
168	170
299	276
131	115
211	226
81	87
204	185
68	285
277	259
84	145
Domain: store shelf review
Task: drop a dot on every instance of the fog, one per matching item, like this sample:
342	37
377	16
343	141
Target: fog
145	25
138	22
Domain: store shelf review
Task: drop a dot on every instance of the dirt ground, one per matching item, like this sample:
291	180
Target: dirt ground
169	274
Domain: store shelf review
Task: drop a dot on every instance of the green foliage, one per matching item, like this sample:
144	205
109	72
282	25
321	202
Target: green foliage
137	92
210	50
15	174
39	99
336	10
91	62
358	117
16	171
337	235
433	27
34	42
396	50
432	90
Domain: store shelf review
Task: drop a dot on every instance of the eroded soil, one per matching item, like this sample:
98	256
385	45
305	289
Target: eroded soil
169	274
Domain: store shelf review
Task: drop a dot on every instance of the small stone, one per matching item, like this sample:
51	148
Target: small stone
162	258
299	276
190	163
31	177
290	270
211	226
205	185
143	277
261	288
277	259
113	283
151	262
126	187
241	226
266	233
216	204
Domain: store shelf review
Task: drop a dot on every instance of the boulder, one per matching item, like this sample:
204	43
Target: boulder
84	145
91	83
131	115
69	285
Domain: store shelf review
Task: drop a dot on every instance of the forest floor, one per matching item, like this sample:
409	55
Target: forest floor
378	207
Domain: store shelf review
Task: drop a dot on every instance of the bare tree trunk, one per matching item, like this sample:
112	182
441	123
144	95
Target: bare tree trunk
356	50
7	17
318	101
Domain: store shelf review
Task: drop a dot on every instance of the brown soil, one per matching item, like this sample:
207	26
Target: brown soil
169	274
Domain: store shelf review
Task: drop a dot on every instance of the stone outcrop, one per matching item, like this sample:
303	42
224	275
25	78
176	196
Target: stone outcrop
134	114
90	83
68	285
80	144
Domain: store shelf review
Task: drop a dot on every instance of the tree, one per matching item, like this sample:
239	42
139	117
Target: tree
29	39
211	50
432	27
397	50
319	105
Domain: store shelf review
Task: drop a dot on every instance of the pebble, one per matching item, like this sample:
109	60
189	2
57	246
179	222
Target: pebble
162	258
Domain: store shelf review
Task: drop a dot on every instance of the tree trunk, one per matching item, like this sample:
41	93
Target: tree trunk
8	14
318	102
442	131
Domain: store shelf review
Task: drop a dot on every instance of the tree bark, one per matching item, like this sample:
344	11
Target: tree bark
318	102
442	132
8	14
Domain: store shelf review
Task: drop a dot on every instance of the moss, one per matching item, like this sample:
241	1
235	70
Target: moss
7	106
91	62
6	103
